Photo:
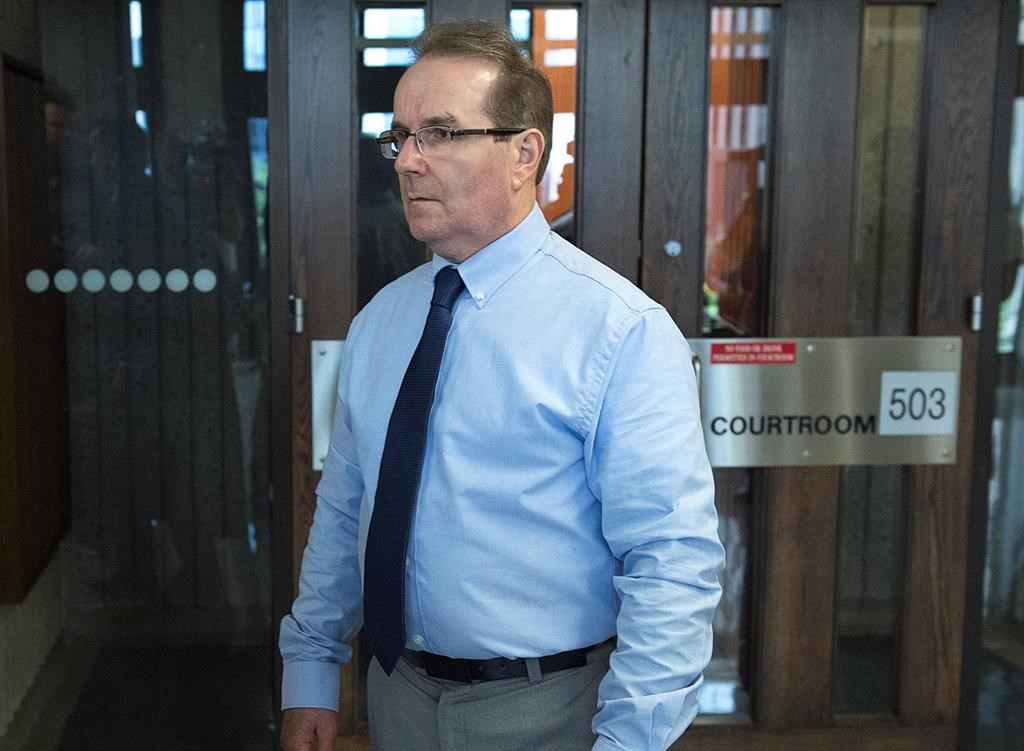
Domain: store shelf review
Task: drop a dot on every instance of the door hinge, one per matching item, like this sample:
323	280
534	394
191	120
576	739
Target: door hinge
297	313
976	308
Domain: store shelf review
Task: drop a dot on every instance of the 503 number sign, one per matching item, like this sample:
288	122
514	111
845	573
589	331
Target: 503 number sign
921	402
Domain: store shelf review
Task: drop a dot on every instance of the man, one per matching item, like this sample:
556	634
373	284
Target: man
545	491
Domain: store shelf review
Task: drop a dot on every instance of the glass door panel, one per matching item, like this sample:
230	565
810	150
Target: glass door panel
384	249
549	36
736	227
156	170
883	290
1001	692
735	288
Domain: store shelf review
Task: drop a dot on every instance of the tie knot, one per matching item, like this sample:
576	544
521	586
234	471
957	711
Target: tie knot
447	287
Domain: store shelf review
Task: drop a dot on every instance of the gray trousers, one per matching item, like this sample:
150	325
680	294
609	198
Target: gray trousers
410	711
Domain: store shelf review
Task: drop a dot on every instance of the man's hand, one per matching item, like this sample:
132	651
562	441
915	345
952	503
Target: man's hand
307	729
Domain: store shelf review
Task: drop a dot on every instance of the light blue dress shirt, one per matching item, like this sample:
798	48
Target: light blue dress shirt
566	494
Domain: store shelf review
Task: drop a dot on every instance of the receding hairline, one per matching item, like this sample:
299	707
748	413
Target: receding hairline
484	60
446	117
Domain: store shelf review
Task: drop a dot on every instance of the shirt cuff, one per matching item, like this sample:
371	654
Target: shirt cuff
606	744
310	684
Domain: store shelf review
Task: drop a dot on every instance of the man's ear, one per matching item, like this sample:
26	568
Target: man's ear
528	149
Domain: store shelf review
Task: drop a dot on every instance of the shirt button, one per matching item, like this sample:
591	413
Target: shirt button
479	296
417	639
407	562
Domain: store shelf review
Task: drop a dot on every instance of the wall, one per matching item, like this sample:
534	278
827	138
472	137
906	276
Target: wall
27	634
29	630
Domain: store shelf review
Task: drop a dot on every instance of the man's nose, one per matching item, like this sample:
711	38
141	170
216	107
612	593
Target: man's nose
409	158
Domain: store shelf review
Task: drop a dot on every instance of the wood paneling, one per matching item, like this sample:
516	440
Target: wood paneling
33	387
609	151
321	211
281	394
959	131
9	591
321	232
816	102
816	99
673	206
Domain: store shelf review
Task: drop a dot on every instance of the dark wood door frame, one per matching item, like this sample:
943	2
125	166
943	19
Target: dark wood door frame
278	224
1006	88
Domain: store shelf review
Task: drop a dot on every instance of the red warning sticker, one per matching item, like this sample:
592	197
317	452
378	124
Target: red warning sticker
753	353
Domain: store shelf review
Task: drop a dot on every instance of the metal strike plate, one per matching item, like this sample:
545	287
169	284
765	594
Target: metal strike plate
326	356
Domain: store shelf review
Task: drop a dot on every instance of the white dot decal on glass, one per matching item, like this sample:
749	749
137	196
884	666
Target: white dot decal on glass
93	280
65	280
121	280
204	280
176	280
149	280
37	280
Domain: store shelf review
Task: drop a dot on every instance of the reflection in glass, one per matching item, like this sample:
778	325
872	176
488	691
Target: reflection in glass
1000	699
548	35
259	160
733	303
726	689
135	31
383	57
393	23
736	222
385	250
871	522
254	35
155	163
519	23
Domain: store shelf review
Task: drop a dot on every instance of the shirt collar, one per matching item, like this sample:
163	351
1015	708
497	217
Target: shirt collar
494	264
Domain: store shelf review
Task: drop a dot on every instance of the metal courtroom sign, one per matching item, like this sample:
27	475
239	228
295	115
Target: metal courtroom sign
829	401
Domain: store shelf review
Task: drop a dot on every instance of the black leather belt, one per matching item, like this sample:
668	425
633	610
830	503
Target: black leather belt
495	669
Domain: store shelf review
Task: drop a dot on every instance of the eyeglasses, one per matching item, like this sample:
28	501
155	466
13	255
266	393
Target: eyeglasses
433	139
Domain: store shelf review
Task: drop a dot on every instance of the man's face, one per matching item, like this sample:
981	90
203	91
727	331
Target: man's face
461	199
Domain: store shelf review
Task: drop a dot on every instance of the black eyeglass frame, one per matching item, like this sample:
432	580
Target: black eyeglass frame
389	137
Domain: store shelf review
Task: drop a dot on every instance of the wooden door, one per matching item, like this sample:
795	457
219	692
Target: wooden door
314	96
643	148
33	373
816	185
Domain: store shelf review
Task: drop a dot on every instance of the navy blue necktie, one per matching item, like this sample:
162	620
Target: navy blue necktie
398	483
